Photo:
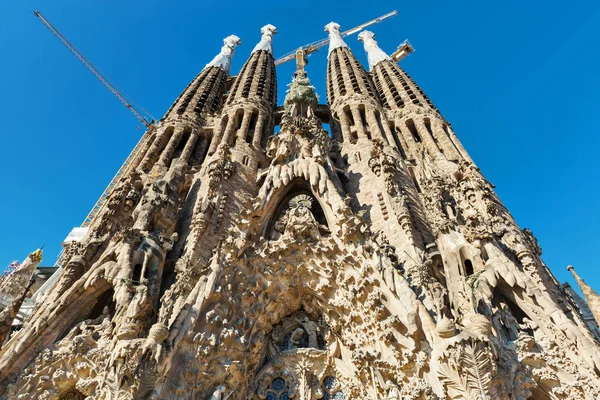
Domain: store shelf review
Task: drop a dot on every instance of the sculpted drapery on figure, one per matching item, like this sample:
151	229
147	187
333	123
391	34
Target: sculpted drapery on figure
370	262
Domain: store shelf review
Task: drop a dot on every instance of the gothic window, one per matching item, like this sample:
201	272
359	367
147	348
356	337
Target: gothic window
278	390
299	215
252	126
411	171
268	130
331	389
396	140
350	118
136	276
427	123
468	267
182	142
200	149
239	117
380	126
413	130
363	120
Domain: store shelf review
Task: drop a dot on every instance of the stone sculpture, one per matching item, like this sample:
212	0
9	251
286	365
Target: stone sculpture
371	262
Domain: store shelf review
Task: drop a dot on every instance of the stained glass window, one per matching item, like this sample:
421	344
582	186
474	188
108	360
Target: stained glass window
278	390
331	389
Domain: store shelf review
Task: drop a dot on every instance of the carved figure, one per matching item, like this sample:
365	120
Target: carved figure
238	263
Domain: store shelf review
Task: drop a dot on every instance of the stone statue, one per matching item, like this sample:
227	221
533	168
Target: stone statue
317	267
295	338
393	392
218	393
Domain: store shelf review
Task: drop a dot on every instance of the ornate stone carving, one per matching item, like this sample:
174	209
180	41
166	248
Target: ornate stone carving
351	268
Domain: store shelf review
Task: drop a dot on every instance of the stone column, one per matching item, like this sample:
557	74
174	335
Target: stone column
360	129
189	146
336	131
155	149
167	154
143	151
427	139
407	137
258	130
450	150
375	128
243	131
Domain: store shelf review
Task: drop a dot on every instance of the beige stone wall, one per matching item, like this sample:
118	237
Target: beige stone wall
234	264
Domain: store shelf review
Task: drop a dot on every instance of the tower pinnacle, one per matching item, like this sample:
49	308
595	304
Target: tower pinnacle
592	298
374	54
335	38
266	41
237	261
223	59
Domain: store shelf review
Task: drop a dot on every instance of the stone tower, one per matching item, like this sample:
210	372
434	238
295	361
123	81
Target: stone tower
373	263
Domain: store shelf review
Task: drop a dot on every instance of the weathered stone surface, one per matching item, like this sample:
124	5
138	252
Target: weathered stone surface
375	263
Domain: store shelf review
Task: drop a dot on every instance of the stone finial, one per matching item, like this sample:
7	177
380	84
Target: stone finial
223	59
590	295
335	37
374	54
266	40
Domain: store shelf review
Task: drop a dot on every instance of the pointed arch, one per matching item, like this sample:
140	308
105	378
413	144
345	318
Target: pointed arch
278	201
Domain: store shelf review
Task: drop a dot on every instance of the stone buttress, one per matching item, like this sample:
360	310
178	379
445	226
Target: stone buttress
234	263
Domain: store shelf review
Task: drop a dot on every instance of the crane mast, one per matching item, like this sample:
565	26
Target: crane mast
148	121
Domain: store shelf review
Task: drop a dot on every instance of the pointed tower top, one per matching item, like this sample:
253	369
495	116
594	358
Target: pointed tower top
300	96
335	38
223	59
590	295
266	41
374	54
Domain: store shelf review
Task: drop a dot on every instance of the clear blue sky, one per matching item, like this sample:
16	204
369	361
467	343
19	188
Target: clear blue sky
518	80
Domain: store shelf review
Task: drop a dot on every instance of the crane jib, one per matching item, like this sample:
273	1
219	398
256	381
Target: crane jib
312	47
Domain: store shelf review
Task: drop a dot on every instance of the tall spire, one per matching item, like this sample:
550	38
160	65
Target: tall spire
592	298
374	54
223	59
266	41
335	38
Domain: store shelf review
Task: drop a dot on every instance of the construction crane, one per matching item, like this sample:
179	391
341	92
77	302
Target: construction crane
305	51
142	115
9	270
402	51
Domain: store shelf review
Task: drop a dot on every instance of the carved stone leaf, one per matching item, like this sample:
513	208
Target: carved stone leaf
477	365
455	384
469	374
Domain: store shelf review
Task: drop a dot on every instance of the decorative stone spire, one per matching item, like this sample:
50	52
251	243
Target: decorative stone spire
13	286
223	59
14	291
335	37
300	96
592	298
374	54
266	41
